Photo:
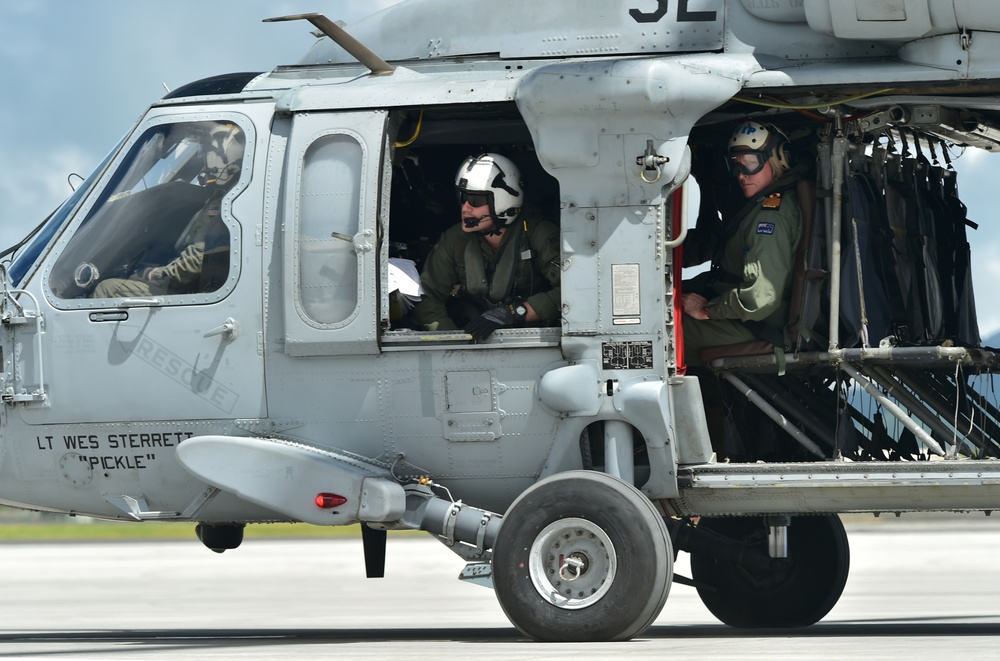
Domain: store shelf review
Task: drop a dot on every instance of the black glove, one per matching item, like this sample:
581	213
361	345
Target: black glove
502	316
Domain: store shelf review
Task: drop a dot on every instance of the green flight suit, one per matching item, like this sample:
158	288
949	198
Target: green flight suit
748	288
206	234
445	277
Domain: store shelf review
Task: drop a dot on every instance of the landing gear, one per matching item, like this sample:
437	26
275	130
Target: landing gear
582	556
758	591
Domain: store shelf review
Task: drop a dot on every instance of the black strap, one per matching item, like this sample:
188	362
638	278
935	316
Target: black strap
495	286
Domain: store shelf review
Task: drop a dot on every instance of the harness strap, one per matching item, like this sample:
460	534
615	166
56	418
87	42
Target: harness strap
477	282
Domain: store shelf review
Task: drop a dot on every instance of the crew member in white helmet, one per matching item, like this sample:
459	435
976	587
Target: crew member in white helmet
496	268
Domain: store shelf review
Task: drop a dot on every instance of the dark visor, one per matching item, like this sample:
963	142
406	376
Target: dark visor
474	199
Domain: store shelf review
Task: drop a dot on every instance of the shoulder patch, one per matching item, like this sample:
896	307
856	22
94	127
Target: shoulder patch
765	228
772	201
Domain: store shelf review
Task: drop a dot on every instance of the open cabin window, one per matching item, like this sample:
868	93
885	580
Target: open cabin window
163	224
432	143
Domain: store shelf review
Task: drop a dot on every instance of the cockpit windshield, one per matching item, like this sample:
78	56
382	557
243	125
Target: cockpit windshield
158	227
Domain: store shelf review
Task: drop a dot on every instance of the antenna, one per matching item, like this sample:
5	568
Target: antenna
358	51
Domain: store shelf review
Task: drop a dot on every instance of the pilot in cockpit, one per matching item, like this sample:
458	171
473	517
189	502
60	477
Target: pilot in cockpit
201	261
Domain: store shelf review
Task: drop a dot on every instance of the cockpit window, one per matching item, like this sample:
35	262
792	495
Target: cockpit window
159	227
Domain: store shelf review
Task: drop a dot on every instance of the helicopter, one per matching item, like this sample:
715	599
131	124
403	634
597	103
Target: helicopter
213	327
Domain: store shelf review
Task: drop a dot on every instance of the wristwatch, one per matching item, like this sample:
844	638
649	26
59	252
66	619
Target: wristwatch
520	310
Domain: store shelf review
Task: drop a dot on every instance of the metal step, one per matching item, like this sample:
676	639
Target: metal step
838	487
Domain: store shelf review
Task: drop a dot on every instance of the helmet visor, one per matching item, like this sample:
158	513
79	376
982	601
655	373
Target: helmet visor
473	198
747	162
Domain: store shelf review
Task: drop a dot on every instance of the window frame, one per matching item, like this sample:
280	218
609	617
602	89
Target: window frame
110	177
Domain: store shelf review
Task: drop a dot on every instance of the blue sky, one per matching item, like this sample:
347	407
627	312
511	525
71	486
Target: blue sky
75	77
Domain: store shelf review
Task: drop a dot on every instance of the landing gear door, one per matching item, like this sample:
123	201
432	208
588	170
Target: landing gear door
330	250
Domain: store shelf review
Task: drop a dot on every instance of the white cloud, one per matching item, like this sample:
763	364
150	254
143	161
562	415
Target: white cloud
985	274
36	186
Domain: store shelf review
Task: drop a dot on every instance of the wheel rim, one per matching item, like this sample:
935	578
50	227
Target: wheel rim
572	563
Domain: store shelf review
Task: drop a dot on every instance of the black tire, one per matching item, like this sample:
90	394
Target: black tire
620	546
797	591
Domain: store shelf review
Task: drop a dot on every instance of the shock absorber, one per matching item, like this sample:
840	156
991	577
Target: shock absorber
451	520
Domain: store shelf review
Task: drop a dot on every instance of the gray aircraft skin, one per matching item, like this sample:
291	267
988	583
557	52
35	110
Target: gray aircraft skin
279	382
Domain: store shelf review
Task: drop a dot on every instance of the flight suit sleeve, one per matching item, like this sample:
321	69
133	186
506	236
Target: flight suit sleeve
185	268
545	242
438	279
771	235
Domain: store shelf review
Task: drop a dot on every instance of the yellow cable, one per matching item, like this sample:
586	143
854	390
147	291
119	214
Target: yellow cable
812	106
416	132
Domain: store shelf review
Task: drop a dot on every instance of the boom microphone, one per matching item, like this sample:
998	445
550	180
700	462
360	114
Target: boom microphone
473	221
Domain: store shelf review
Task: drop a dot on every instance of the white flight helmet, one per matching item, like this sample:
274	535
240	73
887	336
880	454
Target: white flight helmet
498	179
756	144
224	157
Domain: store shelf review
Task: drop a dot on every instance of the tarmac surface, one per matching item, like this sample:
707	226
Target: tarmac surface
920	588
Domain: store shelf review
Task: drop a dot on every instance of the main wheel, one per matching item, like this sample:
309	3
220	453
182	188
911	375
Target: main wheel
796	591
582	556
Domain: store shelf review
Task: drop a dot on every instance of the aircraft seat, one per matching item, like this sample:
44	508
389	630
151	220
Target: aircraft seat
806	190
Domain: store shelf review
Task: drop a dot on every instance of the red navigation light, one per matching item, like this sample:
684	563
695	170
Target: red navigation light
329	500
